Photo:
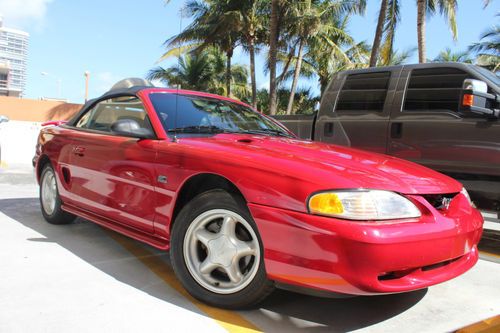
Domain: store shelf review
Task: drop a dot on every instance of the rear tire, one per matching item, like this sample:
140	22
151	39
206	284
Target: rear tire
217	253
50	202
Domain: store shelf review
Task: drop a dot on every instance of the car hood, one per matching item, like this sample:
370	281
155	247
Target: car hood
328	166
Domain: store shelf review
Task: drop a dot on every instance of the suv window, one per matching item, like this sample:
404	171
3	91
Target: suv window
434	89
364	92
106	112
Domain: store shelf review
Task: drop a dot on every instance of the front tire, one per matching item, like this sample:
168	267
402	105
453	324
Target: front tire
50	202
217	253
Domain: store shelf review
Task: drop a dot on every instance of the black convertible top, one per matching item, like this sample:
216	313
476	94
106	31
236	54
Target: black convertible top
123	87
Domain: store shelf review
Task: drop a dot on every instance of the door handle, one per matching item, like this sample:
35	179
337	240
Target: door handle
396	130
79	151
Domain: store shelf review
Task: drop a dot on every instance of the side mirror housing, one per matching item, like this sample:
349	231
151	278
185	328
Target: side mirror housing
131	128
476	99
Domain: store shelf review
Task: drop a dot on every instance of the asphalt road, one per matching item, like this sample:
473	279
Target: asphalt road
83	278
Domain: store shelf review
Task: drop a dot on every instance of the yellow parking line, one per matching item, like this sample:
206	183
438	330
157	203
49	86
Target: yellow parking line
489	254
231	321
490	325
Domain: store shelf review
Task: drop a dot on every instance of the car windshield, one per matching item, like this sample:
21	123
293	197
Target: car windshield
202	115
489	75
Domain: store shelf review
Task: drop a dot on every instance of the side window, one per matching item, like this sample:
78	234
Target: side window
434	89
165	106
105	113
364	92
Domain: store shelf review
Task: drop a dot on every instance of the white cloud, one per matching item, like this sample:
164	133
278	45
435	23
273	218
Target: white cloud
23	13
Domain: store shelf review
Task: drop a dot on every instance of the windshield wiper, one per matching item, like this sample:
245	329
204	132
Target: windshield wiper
199	129
268	131
215	129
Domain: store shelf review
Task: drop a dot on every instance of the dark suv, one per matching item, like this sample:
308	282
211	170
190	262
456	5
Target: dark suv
441	115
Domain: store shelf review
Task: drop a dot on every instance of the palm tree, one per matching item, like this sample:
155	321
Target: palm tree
448	56
490	62
305	102
385	32
447	8
488	49
251	29
306	25
203	71
313	19
273	52
378	33
333	51
193	71
211	26
392	19
389	17
395	57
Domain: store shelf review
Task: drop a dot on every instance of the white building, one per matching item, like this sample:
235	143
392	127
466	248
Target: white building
13	60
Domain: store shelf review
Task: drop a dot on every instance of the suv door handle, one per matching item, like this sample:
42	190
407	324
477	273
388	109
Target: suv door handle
396	130
79	151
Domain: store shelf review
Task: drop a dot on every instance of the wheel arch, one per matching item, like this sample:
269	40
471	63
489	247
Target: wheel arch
200	183
43	160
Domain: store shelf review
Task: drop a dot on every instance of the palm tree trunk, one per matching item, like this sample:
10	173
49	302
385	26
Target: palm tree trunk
251	50
295	78
421	10
285	68
273	54
229	54
378	33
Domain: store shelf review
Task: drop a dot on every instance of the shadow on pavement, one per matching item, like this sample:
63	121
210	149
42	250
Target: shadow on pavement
341	315
88	242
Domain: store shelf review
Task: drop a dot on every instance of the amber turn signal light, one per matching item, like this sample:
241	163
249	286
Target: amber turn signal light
326	203
468	100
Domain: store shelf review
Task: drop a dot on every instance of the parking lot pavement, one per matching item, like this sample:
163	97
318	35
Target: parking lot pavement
83	278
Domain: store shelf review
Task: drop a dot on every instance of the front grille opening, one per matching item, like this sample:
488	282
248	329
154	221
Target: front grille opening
439	264
439	201
394	275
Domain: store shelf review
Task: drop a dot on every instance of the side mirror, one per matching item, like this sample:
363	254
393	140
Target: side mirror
476	99
3	119
131	128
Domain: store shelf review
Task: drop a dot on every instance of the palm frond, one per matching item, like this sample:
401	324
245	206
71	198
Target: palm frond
178	51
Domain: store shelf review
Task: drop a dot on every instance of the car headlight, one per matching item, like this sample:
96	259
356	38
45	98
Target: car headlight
363	205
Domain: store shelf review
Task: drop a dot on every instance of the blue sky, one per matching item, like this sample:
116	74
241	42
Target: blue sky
116	39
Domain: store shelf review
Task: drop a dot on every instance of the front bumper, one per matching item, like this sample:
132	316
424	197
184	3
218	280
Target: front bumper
369	258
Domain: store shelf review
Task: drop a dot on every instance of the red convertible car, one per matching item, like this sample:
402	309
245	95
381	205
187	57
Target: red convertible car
244	206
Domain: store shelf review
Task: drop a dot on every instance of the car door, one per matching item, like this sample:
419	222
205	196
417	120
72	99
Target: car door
355	109
427	128
111	175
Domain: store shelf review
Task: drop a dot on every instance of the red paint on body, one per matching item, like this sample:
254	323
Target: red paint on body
112	180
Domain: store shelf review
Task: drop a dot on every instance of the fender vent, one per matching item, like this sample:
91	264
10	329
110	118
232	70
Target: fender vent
66	175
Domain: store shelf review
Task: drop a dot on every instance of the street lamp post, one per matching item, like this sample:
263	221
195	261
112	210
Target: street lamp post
59	83
87	76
